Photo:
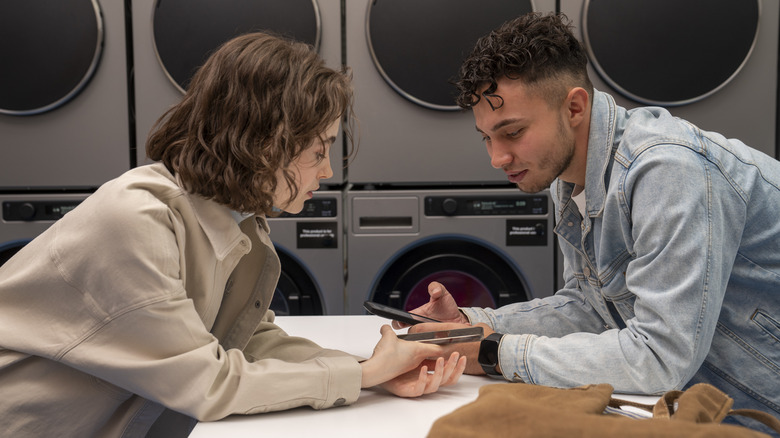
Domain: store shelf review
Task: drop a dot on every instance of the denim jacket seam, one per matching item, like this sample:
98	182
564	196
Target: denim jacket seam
746	346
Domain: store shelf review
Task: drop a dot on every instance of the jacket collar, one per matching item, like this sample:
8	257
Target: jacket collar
216	220
601	148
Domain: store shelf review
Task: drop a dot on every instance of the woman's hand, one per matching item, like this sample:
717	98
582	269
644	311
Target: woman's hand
418	381
402	367
441	306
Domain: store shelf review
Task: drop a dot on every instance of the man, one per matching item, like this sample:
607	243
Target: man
670	235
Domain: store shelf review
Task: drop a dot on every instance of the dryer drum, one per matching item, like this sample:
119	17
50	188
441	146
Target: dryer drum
669	52
474	274
418	46
9	249
296	293
187	31
49	49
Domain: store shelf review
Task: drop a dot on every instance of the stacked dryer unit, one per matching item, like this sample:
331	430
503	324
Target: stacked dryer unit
712	63
64	126
171	39
420	155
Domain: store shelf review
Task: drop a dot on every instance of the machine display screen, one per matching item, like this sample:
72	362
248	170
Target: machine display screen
486	205
496	205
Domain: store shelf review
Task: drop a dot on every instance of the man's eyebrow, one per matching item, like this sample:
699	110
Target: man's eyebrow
501	124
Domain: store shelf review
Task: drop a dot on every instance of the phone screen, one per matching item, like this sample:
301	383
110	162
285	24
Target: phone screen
396	314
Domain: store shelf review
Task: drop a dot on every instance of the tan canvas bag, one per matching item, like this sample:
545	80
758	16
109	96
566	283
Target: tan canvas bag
521	410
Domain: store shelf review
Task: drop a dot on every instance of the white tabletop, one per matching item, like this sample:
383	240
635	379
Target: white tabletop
375	414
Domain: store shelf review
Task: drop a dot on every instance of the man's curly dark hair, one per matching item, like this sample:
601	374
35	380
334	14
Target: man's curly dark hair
535	48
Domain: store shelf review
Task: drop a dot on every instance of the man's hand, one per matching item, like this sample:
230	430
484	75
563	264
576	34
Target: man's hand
441	306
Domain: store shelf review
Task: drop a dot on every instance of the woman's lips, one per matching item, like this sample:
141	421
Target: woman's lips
515	178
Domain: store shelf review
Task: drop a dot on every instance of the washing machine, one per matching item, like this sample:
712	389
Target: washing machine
27	215
63	94
711	62
489	247
404	55
310	245
172	38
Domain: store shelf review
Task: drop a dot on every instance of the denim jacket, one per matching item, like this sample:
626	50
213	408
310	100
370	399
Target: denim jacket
673	278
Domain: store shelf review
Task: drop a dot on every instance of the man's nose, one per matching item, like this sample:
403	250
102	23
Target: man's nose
499	156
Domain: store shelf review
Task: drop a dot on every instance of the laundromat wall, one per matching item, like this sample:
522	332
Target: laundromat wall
419	201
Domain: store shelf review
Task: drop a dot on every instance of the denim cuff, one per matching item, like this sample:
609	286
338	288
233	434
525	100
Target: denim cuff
476	315
512	357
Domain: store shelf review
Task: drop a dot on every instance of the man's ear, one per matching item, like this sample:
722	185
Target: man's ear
577	106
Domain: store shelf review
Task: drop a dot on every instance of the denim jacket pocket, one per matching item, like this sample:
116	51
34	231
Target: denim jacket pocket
767	324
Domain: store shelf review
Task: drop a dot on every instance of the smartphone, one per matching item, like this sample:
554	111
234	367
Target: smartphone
396	314
469	334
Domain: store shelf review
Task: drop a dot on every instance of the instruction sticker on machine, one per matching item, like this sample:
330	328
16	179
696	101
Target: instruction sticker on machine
527	232
313	235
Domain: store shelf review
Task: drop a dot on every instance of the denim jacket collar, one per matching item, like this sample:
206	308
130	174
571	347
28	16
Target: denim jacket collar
601	148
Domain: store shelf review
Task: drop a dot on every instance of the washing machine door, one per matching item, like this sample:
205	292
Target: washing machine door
669	52
9	249
418	46
50	50
296	293
474	274
187	31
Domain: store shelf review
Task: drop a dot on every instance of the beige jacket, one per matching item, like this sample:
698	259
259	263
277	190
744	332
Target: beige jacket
147	297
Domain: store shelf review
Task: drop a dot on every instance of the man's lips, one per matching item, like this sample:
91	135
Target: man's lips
516	177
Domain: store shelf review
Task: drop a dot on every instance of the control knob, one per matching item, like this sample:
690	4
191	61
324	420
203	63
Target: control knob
449	206
27	211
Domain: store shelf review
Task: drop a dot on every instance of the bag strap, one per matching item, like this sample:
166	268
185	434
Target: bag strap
768	420
719	408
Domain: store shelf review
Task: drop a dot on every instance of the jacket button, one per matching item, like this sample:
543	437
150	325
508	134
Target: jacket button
339	402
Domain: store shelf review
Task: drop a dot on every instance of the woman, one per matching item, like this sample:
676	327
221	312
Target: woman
154	292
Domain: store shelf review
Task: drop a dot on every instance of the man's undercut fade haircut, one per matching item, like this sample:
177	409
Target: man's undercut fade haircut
250	110
538	49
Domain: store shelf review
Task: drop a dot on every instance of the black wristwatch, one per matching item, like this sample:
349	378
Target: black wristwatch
488	355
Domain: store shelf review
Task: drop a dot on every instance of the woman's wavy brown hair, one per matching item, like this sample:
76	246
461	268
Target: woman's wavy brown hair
537	48
250	110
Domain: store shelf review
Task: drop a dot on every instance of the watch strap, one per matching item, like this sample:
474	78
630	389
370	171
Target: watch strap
488	355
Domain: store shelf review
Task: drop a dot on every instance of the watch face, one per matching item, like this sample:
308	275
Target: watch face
488	351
